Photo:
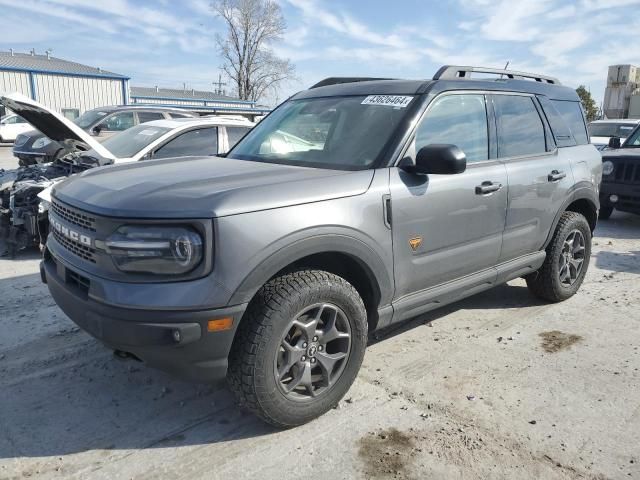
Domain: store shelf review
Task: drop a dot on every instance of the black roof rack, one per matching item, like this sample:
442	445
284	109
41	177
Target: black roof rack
455	72
338	80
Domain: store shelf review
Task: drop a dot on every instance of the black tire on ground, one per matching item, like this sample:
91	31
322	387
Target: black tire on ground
546	282
252	373
605	213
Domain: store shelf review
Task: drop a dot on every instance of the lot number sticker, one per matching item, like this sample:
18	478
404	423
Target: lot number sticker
399	101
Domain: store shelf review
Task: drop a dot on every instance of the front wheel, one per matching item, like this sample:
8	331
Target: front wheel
299	347
567	260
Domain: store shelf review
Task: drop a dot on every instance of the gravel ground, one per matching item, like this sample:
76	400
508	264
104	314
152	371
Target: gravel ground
498	386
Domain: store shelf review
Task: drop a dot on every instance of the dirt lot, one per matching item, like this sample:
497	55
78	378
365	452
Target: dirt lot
498	386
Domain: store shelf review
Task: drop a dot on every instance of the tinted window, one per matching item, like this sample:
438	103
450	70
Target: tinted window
622	130
572	114
561	132
236	133
520	129
144	117
130	143
460	120
89	118
634	139
119	121
200	142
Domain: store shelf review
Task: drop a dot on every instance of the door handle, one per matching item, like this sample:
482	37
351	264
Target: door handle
556	175
487	187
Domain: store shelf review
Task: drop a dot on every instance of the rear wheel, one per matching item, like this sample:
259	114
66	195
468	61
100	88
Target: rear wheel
605	213
299	347
567	260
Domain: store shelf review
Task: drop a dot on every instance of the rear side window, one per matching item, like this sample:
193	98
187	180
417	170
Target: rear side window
571	112
201	142
144	117
234	134
520	128
561	131
460	120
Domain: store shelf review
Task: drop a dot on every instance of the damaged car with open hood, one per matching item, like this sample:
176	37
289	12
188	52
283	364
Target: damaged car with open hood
25	191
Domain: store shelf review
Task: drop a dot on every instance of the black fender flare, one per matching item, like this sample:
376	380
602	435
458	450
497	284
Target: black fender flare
355	248
582	191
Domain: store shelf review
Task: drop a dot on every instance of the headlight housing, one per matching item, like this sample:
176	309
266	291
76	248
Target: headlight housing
41	143
156	250
607	167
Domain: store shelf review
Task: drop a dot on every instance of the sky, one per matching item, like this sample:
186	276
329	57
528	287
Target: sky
172	43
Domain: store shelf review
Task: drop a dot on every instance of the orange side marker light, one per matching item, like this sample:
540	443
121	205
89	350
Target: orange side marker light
220	324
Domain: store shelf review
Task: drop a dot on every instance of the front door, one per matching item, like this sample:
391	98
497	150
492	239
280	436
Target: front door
446	227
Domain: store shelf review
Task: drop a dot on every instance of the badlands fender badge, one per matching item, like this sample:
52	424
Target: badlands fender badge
415	243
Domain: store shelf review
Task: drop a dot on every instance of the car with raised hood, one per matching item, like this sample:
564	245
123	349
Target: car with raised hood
601	131
11	126
101	123
620	189
24	192
356	204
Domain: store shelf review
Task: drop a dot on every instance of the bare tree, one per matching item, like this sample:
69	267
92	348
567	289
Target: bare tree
252	25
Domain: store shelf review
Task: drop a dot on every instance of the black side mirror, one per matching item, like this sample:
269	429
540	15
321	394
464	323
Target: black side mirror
97	129
441	159
614	142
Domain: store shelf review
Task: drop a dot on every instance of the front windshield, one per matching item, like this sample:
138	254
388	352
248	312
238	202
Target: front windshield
128	143
621	130
633	140
90	117
345	133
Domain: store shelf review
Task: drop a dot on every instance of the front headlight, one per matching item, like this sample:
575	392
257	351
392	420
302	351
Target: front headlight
159	250
607	167
41	143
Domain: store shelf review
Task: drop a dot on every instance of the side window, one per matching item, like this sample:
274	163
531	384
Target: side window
561	132
11	120
572	114
119	121
520	128
460	120
19	119
144	117
234	134
201	142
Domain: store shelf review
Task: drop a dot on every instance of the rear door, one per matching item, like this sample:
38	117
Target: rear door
449	226
539	174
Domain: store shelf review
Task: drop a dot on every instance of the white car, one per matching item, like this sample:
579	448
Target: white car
11	126
25	192
602	130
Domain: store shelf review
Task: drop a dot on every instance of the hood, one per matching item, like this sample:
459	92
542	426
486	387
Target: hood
52	124
204	187
630	153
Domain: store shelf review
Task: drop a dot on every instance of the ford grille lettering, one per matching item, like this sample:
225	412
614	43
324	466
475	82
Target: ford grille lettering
70	233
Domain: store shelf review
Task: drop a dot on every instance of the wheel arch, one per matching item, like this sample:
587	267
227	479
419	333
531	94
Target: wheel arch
342	255
585	202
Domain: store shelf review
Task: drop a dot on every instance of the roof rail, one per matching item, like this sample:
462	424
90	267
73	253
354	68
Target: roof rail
338	80
451	72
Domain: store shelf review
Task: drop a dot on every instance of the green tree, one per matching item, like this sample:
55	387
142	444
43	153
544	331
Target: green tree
588	103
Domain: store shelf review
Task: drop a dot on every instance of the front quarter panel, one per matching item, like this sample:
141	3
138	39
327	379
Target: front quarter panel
252	247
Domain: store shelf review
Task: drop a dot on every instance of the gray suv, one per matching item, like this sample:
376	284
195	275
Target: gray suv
356	204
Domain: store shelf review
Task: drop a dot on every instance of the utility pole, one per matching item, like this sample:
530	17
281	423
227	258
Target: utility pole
219	84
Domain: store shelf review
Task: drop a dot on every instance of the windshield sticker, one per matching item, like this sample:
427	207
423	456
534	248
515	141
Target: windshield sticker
399	101
148	131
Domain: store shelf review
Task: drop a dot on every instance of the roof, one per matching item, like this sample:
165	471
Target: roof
28	62
201	121
629	121
181	94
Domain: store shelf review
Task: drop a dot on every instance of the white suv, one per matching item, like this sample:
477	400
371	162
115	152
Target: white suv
11	126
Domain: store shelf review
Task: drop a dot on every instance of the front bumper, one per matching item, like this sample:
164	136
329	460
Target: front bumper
173	341
628	196
32	157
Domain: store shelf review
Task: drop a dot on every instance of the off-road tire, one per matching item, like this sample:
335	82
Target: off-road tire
605	213
545	283
251	361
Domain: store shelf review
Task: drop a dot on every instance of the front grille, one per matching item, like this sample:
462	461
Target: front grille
78	249
74	216
625	171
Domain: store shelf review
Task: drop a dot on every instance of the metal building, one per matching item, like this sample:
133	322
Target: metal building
68	87
203	102
622	92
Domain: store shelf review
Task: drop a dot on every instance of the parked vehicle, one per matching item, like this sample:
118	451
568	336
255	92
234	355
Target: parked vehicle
620	189
24	192
603	130
270	266
11	126
35	147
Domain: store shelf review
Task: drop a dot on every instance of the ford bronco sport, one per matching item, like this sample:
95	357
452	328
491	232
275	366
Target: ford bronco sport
355	204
